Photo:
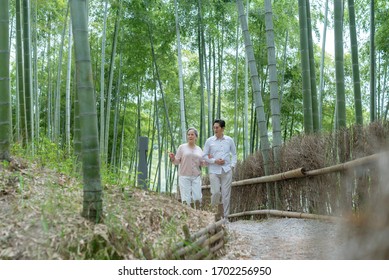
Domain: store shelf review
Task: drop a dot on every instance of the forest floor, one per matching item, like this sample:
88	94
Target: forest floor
40	218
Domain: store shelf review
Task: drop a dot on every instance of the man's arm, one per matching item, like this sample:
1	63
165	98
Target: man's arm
207	153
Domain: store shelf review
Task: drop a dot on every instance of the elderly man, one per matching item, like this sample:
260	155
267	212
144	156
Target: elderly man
220	154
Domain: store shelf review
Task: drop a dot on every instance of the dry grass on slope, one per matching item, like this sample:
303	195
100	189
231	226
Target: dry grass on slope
40	218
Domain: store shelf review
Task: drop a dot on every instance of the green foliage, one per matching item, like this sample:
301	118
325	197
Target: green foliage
49	154
382	34
4	164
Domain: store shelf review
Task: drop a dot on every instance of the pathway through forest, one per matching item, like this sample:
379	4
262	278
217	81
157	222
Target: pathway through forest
284	239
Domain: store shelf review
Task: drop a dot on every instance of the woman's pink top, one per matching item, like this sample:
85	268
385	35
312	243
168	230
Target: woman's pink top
189	159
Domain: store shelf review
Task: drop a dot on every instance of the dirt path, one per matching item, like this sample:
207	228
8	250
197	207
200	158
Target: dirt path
284	239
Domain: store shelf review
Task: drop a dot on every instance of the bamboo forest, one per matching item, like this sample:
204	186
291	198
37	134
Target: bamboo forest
97	98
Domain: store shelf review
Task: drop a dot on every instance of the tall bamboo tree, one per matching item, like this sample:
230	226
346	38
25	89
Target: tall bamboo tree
110	81
273	84
200	38
57	94
68	96
92	202
321	81
339	65
273	81
102	83
246	145
355	62
304	52
35	92
208	85
27	70
236	90
22	123
220	66
180	76
260	112
5	94
315	111
373	106
116	114
49	111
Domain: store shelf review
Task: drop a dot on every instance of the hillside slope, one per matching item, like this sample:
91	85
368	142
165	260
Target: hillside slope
40	218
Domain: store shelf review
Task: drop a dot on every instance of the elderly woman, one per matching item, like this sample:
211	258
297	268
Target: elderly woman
189	159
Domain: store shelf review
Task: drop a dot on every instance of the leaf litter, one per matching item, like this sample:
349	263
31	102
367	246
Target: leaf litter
40	218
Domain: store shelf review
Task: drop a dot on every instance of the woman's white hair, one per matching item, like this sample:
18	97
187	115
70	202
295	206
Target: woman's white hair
194	130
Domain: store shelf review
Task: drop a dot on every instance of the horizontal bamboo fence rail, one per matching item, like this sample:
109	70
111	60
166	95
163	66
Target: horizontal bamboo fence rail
288	214
301	172
203	244
296	173
349	165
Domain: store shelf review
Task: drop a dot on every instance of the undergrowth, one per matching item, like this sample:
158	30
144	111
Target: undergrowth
40	217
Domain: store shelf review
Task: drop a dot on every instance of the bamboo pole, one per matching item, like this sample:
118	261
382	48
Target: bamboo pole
296	173
348	165
301	172
286	214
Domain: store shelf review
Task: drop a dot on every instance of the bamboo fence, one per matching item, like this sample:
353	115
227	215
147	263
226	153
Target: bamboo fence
319	191
301	172
202	245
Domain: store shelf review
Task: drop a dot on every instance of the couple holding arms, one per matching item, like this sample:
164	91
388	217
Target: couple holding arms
219	155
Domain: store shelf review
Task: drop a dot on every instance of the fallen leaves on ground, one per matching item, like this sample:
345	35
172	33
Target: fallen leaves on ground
40	218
